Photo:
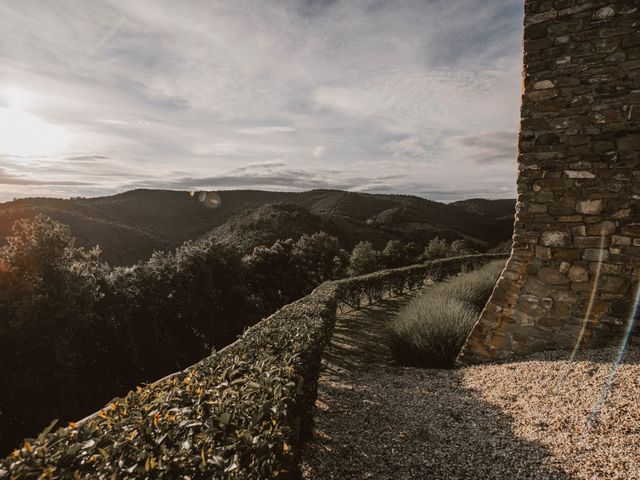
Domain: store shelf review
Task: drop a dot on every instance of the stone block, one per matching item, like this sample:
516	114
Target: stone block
543	253
620	240
633	229
620	214
595	254
579	174
540	17
606	45
555	238
591	242
578	274
629	142
538	30
537	208
566	254
541	95
590	207
612	284
580	231
604	12
569	219
551	276
543	85
607	268
604	228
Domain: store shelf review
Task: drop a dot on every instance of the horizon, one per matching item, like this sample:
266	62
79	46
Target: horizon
407	97
189	192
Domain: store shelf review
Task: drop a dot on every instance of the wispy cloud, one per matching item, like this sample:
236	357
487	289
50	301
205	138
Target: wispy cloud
274	175
415	91
493	147
266	130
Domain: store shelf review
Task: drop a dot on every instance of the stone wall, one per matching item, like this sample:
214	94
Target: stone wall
575	264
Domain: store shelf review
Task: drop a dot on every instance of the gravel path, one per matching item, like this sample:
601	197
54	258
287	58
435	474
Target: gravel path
521	420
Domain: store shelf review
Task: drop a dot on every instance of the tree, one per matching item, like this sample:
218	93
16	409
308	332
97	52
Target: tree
436	248
51	339
459	247
364	259
316	254
394	254
414	252
341	264
273	276
180	303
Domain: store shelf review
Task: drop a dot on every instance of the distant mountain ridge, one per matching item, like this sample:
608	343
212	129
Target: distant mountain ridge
131	225
496	209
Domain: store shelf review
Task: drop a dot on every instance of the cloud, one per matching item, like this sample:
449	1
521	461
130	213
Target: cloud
415	91
266	130
86	158
409	146
319	151
487	148
273	175
17	180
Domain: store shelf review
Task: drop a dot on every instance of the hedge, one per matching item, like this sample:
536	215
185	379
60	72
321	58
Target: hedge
240	413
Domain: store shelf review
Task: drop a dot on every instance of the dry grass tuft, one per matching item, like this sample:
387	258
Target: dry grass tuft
431	330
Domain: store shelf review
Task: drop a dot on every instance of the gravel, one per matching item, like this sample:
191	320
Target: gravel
519	420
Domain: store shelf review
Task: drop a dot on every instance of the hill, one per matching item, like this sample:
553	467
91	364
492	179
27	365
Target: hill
496	209
131	225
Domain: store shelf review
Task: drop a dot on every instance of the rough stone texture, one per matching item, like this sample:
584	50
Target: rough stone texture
575	264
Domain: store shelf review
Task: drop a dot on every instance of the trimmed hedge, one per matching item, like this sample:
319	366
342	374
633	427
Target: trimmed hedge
240	413
371	287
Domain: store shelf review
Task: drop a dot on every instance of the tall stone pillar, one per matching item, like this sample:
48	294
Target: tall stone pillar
575	264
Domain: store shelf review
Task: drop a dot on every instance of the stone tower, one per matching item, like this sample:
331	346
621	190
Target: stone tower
574	269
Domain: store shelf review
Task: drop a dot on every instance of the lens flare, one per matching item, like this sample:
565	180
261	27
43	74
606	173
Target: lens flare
592	298
624	345
208	199
587	317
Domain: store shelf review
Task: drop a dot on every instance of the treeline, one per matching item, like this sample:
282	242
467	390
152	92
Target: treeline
75	332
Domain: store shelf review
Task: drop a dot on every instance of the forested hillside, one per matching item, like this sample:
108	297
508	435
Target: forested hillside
130	226
496	209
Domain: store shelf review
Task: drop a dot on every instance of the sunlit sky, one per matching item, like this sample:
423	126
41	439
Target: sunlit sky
384	96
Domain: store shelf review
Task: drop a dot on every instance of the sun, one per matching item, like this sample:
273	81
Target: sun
24	134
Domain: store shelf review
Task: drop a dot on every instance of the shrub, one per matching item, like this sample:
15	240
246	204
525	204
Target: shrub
431	330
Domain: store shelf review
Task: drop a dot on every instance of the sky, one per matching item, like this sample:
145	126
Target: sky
383	96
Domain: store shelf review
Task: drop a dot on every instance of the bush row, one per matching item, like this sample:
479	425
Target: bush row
240	413
372	287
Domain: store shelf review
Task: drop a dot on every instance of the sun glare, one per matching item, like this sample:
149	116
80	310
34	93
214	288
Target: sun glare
24	134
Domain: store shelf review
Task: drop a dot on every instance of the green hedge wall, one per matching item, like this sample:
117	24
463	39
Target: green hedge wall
240	413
